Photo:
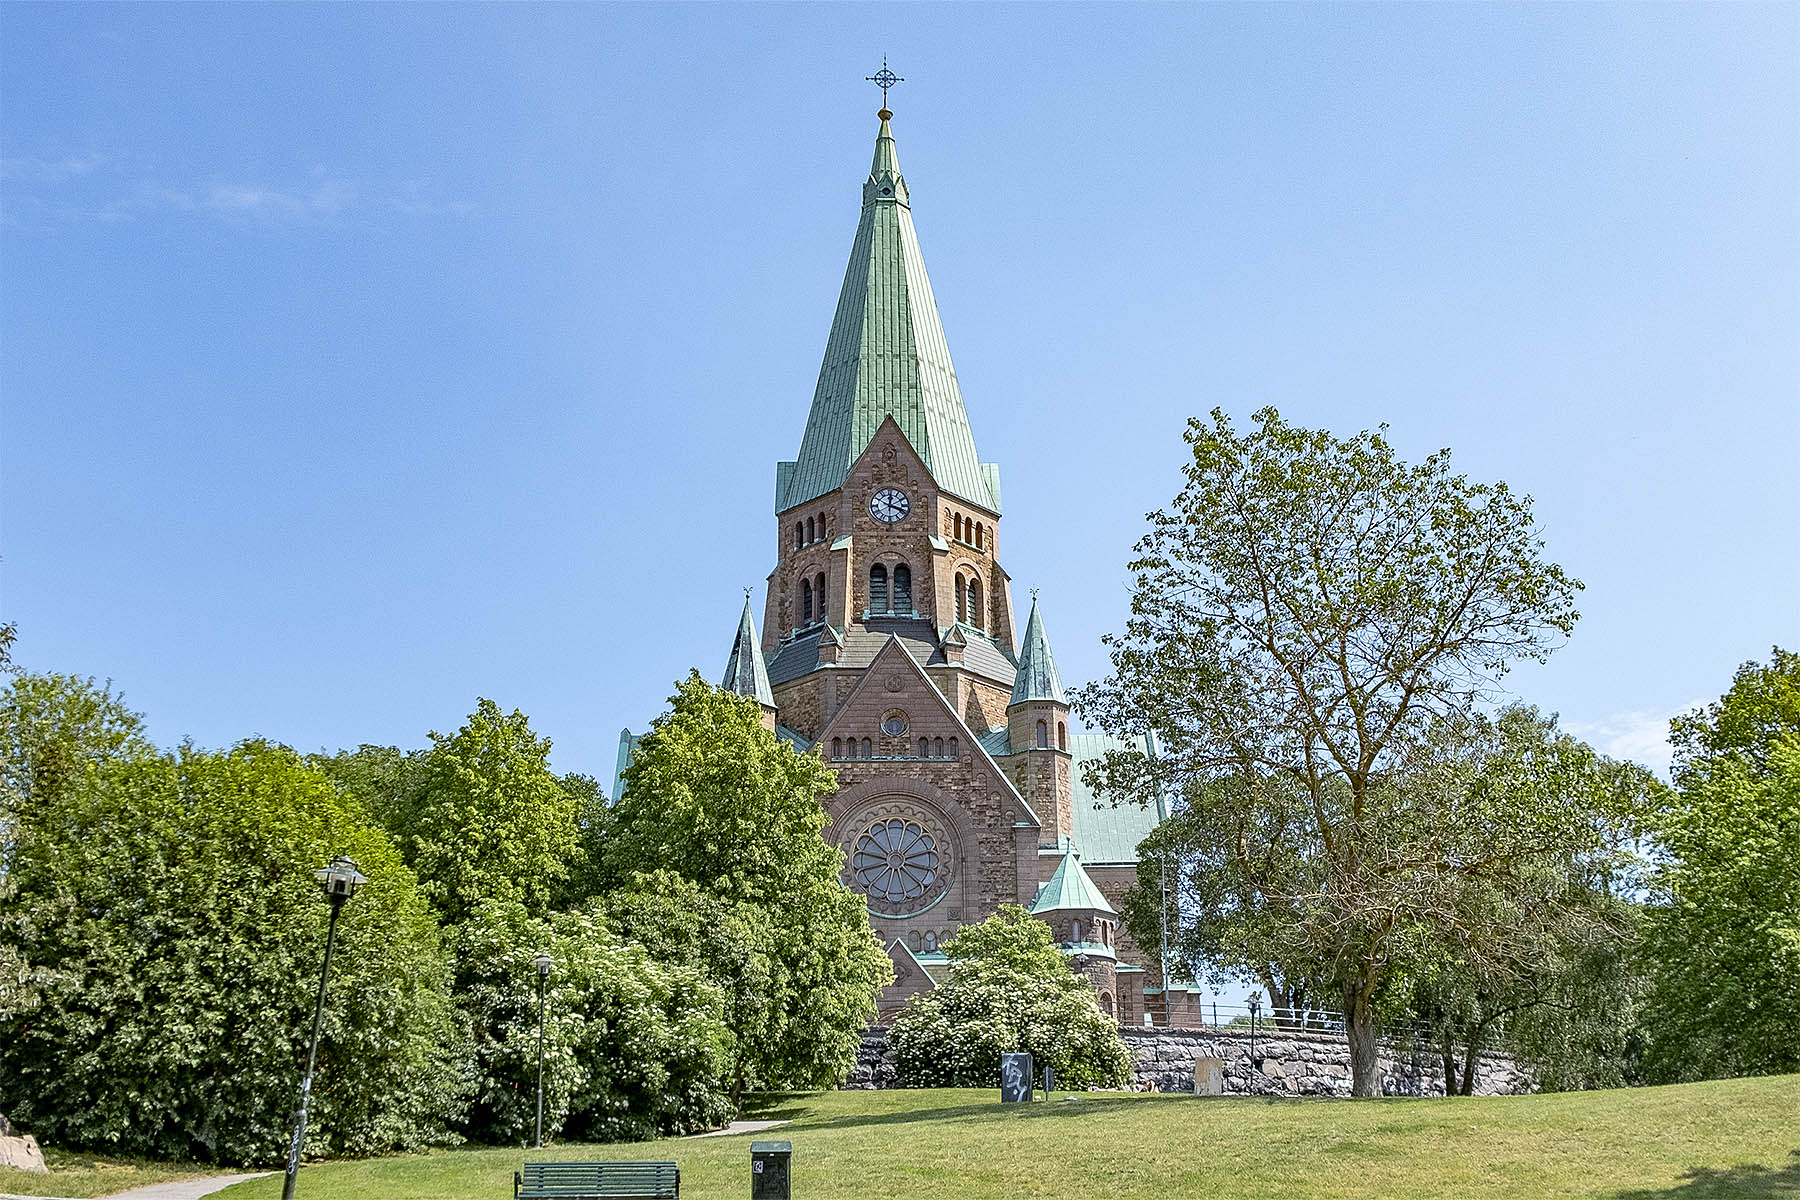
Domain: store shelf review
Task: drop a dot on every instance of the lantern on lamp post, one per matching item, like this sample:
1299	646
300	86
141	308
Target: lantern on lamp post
543	963
1255	1007
339	879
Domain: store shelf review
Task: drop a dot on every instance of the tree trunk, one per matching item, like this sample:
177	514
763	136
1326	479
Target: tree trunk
1449	1048
1359	1025
1470	1062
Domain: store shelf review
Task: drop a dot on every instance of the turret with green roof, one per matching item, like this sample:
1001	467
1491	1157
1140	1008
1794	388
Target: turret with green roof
745	672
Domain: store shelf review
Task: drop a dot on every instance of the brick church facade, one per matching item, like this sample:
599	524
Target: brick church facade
888	649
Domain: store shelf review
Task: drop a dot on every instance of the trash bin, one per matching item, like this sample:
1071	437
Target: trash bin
769	1170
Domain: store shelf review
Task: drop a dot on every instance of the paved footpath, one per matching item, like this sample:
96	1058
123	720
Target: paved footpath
180	1189
739	1127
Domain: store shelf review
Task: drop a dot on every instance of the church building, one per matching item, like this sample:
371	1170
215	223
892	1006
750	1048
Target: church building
888	648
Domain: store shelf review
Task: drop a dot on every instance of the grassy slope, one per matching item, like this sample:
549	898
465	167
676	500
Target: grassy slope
87	1175
1737	1138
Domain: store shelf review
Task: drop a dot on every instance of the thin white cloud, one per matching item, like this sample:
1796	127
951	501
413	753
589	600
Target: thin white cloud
75	188
1641	737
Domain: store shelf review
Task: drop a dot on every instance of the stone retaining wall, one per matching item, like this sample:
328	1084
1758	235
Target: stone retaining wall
1294	1064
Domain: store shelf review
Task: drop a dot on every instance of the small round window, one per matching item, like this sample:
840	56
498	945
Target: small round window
894	724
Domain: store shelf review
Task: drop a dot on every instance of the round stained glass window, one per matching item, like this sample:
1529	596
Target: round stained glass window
896	863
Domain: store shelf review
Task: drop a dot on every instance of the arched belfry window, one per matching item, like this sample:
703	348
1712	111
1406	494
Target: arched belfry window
1062	736
810	535
1043	736
962	607
980	535
878	592
976	617
799	535
819	595
902	588
806	602
959	527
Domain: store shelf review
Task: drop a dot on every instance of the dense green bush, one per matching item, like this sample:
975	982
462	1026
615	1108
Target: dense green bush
163	907
633	1048
1010	989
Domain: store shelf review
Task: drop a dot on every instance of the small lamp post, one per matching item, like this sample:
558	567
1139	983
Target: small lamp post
543	963
340	879
1255	1007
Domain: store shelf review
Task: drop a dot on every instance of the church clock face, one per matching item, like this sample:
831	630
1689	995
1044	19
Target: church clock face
889	506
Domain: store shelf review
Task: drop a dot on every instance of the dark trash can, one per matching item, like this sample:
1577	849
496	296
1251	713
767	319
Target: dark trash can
769	1170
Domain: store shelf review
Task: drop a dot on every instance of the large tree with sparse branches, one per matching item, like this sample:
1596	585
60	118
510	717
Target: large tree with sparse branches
1311	618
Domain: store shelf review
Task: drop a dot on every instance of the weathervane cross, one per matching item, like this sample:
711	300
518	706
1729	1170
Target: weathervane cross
884	79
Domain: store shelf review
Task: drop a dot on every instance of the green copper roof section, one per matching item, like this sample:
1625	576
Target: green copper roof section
1070	887
745	672
886	356
1037	678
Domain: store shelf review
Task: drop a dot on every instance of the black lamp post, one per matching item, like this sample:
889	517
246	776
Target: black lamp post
542	962
1255	1007
340	880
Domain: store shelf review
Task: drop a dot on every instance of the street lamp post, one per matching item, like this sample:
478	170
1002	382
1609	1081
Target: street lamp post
542	962
340	880
1255	1007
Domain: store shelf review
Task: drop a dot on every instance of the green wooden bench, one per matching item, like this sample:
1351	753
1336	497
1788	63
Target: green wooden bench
593	1180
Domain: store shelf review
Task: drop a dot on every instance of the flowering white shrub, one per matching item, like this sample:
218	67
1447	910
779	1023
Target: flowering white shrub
1010	989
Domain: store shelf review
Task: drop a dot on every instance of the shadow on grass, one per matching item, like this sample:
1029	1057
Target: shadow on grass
1085	1104
1729	1183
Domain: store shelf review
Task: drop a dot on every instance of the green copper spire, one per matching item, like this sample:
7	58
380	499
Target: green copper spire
1037	678
886	356
745	672
1071	887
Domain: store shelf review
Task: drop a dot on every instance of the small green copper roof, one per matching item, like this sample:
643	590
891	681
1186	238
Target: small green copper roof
1037	678
745	672
1070	887
886	356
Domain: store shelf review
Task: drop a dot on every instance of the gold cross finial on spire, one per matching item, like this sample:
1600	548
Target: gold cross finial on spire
884	79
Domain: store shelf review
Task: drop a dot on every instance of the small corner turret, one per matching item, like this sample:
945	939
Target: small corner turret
745	671
1037	720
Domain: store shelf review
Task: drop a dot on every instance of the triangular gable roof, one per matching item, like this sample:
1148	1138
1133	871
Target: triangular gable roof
901	955
1070	887
893	653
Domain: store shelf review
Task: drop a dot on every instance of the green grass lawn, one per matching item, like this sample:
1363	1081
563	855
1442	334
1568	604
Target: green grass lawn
88	1175
1737	1138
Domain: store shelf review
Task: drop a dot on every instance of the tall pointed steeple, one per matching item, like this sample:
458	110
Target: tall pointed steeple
886	356
745	672
1037	678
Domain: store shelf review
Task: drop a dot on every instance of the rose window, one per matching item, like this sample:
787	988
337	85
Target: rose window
896	863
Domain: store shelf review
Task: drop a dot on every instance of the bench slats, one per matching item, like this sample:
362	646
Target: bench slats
572	1180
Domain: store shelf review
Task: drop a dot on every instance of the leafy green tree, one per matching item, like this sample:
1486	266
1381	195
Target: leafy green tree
1723	938
714	798
166	905
1306	617
487	819
634	1048
1010	989
384	779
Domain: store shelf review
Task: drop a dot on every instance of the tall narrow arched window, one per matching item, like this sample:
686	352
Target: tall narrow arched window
837	747
902	588
977	617
924	748
937	747
868	748
958	526
1043	736
819	596
806	602
980	530
821	525
799	535
953	753
962	606
1075	932
878	593
1062	736
931	941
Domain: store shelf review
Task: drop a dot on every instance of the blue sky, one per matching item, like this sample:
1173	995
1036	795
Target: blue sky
356	361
